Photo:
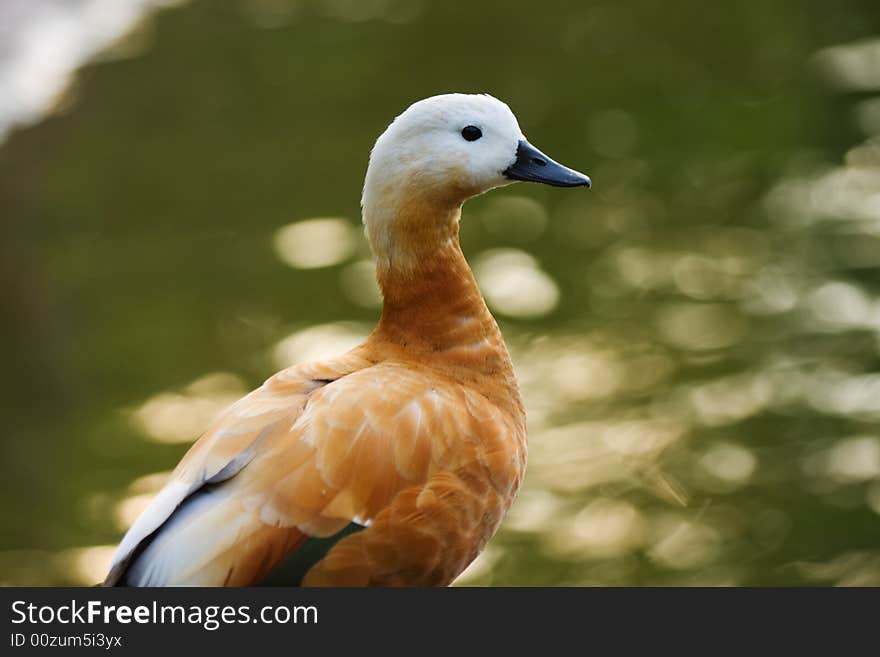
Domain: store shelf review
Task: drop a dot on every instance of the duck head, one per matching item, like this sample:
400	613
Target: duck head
438	153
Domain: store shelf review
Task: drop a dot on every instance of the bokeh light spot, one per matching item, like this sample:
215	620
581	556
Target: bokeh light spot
313	243
514	284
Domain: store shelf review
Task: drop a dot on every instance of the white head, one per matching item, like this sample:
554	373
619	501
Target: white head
441	151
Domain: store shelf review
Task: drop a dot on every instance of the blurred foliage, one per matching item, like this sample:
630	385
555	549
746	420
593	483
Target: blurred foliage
700	389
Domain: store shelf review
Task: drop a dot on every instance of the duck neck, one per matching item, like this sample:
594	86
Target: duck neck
431	299
433	312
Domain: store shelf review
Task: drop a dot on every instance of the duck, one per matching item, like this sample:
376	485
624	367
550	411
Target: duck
392	464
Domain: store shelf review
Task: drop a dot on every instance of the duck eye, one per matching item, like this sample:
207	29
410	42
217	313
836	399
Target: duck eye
471	133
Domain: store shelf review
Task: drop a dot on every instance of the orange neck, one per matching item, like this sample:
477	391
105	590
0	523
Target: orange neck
437	316
433	311
437	306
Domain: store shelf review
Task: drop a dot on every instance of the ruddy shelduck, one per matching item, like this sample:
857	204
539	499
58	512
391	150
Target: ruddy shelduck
400	458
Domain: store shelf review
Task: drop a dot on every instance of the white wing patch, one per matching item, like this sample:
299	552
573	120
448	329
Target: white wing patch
162	506
177	555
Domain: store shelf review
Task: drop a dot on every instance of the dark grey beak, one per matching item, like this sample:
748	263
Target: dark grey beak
533	166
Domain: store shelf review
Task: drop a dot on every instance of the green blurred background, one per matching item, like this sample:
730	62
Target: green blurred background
697	338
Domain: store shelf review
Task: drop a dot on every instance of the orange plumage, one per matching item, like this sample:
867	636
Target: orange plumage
418	434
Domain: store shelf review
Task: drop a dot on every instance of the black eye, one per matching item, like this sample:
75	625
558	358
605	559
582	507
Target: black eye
471	133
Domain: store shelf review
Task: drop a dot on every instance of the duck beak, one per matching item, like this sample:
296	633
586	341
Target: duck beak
532	165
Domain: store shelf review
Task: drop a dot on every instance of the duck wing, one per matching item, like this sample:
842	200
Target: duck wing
224	449
428	466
